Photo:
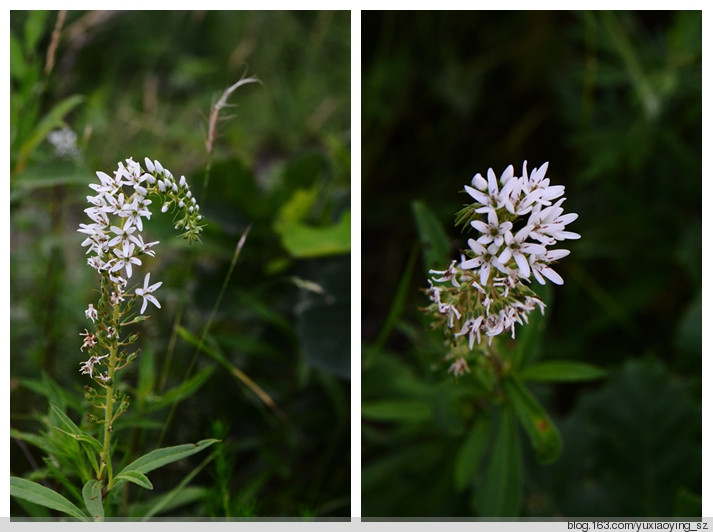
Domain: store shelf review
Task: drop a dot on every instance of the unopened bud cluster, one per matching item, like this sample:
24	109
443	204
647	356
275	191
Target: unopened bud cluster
485	294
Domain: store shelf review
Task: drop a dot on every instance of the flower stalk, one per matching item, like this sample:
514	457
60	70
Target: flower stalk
116	247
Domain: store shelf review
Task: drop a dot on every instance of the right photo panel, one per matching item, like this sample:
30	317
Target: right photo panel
531	265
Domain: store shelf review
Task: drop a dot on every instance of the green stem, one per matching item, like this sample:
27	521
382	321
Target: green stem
105	469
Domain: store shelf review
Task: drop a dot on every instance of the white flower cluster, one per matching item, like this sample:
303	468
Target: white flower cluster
522	251
485	293
115	241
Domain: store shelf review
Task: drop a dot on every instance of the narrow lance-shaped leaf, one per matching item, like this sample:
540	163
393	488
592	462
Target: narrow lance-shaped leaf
432	236
39	494
471	452
501	494
543	433
561	371
161	457
135	477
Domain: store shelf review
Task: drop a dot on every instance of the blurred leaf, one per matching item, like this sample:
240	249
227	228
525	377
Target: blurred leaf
543	433
297	208
403	410
561	371
236	372
303	241
471	452
38	441
529	337
396	308
165	500
186	496
687	504
186	389
18	67
432	237
689	333
146	374
34	28
501	492
92	494
631	445
38	494
52	120
135	477
48	388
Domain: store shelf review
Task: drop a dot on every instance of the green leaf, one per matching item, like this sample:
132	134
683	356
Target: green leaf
183	391
397	306
161	457
34	28
92	495
159	505
136	477
73	430
18	67
529	336
302	241
147	375
38	441
53	120
297	208
471	452
543	433
432	236
38	494
501	493
397	410
561	371
162	503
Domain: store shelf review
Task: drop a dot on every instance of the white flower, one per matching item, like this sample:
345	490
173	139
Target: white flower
471	327
91	313
447	275
88	366
484	259
125	258
459	367
516	247
90	339
491	200
493	231
493	326
146	292
541	268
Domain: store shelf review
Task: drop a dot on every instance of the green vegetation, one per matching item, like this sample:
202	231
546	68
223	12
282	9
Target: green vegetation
251	349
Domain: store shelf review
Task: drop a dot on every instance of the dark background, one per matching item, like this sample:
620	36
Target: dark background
613	101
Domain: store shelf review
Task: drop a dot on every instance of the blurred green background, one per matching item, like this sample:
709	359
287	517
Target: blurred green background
613	101
136	84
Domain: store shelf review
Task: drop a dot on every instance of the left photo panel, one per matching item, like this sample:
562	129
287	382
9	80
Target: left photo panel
180	220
